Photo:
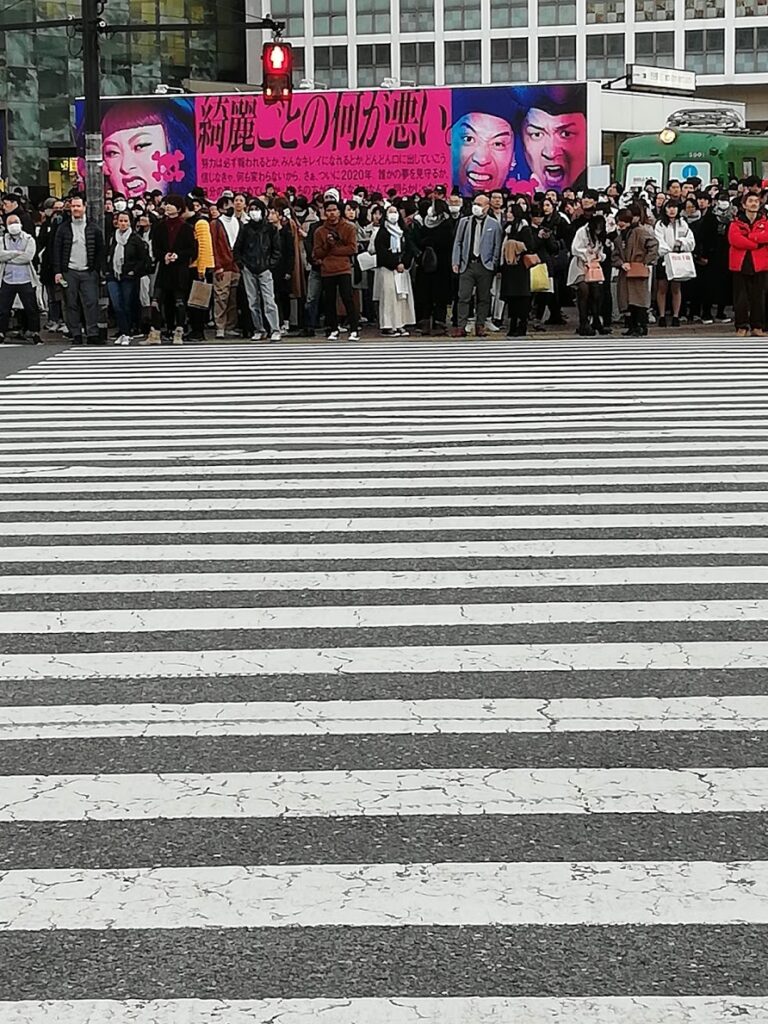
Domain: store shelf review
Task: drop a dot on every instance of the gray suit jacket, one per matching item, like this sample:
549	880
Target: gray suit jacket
490	243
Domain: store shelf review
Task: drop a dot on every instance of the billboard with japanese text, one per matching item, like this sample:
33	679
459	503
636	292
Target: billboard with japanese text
522	138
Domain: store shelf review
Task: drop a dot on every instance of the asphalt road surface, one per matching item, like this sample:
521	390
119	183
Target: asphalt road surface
382	684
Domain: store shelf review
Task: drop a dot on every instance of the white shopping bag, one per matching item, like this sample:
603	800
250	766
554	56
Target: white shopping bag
366	260
402	285
680	266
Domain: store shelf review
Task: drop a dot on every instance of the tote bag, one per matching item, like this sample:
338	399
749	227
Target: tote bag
539	278
200	295
680	266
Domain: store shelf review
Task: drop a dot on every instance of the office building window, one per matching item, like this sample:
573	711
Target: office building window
331	66
292	13
462	61
605	55
751	50
373	64
509	60
655	48
705	51
417	15
417	63
299	64
751	8
557	12
461	14
605	12
509	13
557	58
372	17
330	17
696	9
654	10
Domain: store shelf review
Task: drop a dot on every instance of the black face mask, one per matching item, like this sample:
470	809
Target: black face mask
229	212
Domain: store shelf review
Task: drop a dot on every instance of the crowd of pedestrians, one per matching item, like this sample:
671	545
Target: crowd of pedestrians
266	265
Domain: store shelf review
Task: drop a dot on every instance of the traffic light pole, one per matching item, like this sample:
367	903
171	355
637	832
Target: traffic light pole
92	25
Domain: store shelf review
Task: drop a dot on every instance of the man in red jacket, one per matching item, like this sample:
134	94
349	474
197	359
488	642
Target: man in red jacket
226	274
748	260
335	243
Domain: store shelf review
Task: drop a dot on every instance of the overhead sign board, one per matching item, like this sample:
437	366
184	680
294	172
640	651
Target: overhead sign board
646	78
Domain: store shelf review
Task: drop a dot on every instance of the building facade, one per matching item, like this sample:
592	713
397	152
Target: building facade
41	72
359	43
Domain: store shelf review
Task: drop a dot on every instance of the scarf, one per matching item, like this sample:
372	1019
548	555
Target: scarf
395	237
118	260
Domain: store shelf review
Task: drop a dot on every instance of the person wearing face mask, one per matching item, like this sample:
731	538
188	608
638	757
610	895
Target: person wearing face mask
257	253
174	247
394	256
724	213
18	277
53	214
434	240
475	258
225	230
704	286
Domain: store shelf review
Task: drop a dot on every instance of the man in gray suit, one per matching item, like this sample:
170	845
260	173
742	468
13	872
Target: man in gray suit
476	258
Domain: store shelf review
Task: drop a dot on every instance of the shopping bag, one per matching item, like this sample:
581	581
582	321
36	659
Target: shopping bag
638	270
594	273
200	295
402	283
680	266
539	278
366	261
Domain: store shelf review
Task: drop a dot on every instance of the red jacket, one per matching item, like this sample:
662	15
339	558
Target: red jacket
222	250
744	237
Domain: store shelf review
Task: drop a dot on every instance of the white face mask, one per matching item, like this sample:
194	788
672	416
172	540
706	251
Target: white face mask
392	216
255	215
14	229
477	211
454	210
723	205
121	205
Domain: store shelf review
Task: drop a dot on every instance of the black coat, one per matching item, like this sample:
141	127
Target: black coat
516	278
706	234
392	260
136	260
173	276
257	247
62	247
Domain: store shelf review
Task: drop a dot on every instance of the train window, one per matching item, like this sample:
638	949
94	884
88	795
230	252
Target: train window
747	167
638	173
764	170
683	169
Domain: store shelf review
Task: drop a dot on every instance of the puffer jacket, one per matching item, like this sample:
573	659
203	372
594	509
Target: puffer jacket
744	237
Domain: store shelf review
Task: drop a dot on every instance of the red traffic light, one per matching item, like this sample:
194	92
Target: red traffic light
277	59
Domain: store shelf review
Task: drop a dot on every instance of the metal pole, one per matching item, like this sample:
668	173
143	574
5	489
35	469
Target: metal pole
94	178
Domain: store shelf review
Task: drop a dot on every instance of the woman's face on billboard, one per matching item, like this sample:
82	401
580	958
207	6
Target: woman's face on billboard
128	162
483	152
555	147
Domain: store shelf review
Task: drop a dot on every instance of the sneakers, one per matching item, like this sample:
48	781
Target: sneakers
707	323
178	336
258	336
491	326
722	319
354	336
285	326
220	335
122	339
333	336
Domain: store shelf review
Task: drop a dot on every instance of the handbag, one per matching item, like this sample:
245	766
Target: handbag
530	259
638	270
539	278
200	295
594	273
680	266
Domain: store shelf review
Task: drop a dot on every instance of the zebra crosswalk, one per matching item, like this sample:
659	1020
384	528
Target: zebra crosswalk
385	684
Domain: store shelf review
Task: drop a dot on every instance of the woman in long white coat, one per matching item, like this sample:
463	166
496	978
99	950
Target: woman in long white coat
673	235
394	255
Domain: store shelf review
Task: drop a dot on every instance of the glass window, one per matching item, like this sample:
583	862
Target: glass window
292	13
695	9
372	16
751	8
557	58
373	64
417	63
462	61
605	55
751	50
605	12
330	17
417	16
705	51
331	66
557	12
509	60
509	13
461	14
655	48
654	10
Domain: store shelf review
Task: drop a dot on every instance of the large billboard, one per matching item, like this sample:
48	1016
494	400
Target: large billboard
522	138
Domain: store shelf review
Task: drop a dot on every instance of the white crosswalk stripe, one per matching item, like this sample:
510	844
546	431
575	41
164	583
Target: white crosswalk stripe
385	684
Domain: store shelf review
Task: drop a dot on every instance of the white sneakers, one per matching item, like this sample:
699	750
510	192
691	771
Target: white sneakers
123	340
333	336
354	336
178	336
275	336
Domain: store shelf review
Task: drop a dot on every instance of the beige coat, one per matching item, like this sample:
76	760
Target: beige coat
639	245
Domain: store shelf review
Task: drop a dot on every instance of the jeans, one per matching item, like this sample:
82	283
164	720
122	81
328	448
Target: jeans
55	313
476	276
260	290
314	291
26	293
82	290
123	295
341	285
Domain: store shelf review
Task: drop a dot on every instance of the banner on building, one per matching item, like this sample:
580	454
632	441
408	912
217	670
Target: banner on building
523	138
